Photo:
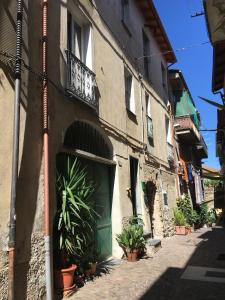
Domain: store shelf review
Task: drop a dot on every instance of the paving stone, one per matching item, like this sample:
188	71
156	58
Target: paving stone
160	277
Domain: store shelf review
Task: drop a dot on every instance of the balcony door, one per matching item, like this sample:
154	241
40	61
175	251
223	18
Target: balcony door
80	40
134	185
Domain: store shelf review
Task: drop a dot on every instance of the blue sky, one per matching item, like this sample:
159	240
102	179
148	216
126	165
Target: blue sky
195	62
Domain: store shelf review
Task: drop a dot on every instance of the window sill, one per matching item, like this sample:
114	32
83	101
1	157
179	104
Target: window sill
131	115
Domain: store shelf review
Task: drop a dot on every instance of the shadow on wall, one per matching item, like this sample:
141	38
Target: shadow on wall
29	271
170	286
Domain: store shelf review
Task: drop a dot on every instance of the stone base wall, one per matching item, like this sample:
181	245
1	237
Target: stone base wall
162	214
209	196
30	275
3	268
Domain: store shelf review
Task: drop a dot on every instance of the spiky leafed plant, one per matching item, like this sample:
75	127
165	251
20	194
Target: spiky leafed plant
75	216
216	104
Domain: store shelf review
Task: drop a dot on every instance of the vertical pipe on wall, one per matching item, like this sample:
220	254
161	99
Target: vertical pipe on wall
15	153
48	274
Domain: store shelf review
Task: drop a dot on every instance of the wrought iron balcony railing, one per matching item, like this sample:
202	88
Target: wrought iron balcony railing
149	128
170	156
80	80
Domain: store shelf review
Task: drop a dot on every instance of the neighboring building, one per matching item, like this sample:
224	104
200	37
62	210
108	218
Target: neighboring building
213	187
215	16
215	20
191	147
109	105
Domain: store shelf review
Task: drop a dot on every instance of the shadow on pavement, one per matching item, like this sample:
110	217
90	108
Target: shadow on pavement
170	286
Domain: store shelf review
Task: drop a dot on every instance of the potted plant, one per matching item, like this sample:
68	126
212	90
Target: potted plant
195	219
73	219
211	218
184	205
180	222
132	240
204	214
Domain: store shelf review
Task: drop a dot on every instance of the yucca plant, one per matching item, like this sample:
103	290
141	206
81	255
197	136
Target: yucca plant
75	216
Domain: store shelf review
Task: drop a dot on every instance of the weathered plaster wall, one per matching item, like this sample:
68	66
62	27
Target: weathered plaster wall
108	64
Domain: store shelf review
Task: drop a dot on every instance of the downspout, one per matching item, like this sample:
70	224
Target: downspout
49	293
15	154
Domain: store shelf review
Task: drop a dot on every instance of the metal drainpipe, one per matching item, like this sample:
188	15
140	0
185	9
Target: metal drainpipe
49	289
15	154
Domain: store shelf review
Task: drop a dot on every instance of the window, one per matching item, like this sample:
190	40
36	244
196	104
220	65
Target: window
146	54
80	40
129	91
126	14
164	79
165	198
149	119
168	131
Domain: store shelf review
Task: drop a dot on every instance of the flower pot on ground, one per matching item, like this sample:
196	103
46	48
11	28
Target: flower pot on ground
132	255
188	229
181	230
197	226
131	239
64	277
73	219
180	222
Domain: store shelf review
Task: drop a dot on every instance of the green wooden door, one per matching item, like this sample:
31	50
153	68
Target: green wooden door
102	198
100	173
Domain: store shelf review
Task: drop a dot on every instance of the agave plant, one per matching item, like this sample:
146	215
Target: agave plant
75	216
216	104
132	238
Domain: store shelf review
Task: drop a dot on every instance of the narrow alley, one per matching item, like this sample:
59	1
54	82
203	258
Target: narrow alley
200	256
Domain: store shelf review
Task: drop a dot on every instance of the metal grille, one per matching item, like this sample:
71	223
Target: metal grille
149	128
170	156
84	137
81	80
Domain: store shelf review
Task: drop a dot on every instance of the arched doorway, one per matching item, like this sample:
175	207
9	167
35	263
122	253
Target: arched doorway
94	151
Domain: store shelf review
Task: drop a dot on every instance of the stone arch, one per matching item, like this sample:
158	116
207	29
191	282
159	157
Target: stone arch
82	135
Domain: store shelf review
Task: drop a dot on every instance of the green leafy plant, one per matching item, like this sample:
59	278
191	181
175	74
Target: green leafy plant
184	205
132	236
204	213
75	216
195	217
212	182
211	217
216	104
179	218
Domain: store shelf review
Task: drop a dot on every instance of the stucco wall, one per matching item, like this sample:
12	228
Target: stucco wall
124	133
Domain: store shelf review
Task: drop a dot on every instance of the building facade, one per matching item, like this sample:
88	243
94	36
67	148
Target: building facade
109	105
190	145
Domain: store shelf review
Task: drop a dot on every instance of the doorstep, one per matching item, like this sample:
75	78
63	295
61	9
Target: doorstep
153	246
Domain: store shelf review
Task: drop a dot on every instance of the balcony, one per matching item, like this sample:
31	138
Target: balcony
149	128
170	155
186	130
80	81
202	149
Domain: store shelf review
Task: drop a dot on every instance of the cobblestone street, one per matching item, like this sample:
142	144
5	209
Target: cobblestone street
160	277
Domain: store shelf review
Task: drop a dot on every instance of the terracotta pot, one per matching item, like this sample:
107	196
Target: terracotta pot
132	255
93	268
189	229
181	230
197	226
64	278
